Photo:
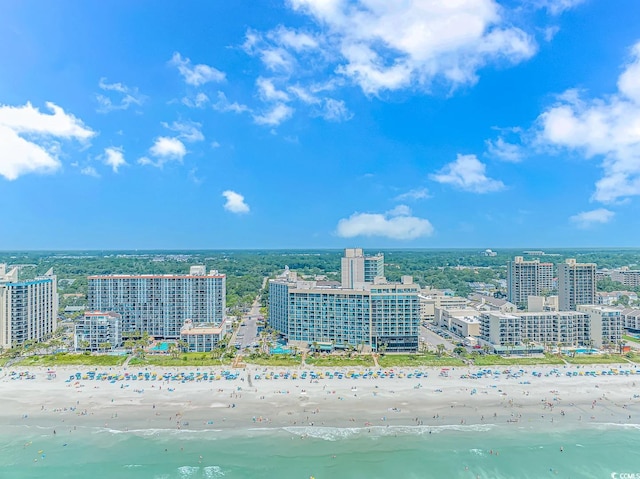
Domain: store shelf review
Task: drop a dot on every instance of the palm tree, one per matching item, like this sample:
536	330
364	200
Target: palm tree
129	344
440	349
622	344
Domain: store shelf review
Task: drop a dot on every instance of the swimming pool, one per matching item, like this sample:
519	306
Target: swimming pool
162	347
280	350
585	351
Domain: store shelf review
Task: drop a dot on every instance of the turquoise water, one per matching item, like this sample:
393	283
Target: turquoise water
453	452
164	347
585	351
280	350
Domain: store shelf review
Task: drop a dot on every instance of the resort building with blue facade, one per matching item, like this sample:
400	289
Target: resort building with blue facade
377	314
28	309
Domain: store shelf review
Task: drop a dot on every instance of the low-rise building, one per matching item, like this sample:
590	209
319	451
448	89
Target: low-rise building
608	299
489	303
98	331
463	322
631	319
201	338
430	299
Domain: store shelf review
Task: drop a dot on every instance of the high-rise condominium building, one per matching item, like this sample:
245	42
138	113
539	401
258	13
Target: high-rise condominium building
626	276
160	304
527	278
377	314
358	269
576	284
28	309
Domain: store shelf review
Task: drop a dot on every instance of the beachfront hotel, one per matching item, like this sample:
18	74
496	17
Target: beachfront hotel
595	326
28	309
378	315
160	304
607	325
527	278
576	284
98	331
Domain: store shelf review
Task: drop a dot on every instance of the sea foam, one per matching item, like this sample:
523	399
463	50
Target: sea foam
337	433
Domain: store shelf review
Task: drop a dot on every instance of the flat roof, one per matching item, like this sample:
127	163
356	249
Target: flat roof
154	276
201	330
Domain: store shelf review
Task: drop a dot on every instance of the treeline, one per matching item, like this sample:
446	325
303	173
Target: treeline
245	270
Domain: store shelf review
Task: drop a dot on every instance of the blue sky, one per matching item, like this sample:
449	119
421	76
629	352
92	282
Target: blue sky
319	123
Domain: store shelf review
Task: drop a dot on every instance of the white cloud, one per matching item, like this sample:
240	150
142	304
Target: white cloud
415	194
235	202
29	120
395	224
224	105
388	45
335	110
276	115
198	101
38	152
550	32
168	147
90	171
556	7
607	127
125	97
193	176
304	95
298	41
268	92
19	156
467	173
505	151
196	75
114	157
277	59
187	130
586	219
164	149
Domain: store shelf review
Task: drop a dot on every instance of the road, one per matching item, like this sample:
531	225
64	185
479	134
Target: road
247	332
432	339
248	329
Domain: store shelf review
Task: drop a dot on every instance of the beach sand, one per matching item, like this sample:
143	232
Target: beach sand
549	399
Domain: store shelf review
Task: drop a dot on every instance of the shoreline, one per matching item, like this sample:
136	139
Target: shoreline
548	399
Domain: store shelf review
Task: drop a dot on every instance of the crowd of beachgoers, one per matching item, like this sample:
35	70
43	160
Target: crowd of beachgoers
309	398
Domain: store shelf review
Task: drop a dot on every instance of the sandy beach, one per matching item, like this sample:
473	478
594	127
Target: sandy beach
527	396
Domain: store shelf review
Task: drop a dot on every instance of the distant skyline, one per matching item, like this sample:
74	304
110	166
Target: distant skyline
319	124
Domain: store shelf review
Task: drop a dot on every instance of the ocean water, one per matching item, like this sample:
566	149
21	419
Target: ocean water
596	451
